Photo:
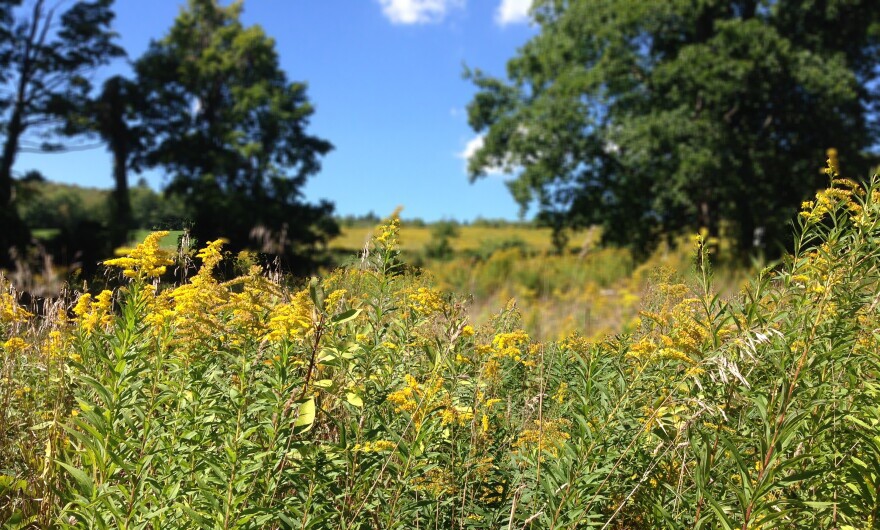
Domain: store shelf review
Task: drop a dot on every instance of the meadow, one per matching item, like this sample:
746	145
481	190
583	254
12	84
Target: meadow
373	397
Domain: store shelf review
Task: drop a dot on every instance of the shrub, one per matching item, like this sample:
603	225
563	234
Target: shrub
368	399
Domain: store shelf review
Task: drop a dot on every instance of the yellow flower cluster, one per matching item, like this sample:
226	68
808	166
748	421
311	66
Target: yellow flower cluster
509	345
426	301
377	446
292	320
406	399
10	311
416	398
333	299
14	345
91	314
195	304
437	481
841	192
251	298
147	260
674	329
387	234
547	436
458	414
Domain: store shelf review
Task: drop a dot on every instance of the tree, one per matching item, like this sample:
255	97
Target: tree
46	61
652	117
113	116
231	131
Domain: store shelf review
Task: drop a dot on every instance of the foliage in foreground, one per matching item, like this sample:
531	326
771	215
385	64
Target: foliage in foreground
367	400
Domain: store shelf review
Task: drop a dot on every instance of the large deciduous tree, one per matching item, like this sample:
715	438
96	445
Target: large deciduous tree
46	59
113	115
649	117
230	130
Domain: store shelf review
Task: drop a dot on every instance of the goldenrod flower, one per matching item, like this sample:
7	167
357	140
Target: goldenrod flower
10	311
14	345
292	320
147	260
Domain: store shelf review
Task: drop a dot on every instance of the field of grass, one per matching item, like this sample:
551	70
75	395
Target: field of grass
169	242
415	238
371	398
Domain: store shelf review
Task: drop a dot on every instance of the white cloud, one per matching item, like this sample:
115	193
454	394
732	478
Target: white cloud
512	12
471	148
418	11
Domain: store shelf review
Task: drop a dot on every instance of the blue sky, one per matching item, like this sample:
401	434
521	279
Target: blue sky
385	77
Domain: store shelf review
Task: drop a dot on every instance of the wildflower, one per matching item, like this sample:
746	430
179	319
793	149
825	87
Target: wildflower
405	398
561	393
388	233
292	320
467	331
14	345
547	436
334	298
426	301
147	260
10	311
91	314
457	415
377	446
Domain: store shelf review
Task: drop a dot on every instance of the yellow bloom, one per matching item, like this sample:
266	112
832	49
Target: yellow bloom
14	345
147	260
426	301
292	320
377	446
10	311
91	314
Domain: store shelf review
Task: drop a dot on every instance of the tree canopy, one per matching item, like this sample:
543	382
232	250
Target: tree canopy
230	129
649	117
46	60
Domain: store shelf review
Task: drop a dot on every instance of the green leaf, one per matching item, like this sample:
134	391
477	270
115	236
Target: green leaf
305	415
354	400
345	316
87	487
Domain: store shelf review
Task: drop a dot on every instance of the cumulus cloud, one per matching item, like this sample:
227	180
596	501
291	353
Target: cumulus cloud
418	11
470	149
512	12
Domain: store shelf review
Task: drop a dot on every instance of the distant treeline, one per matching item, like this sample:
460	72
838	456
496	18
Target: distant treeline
51	207
371	219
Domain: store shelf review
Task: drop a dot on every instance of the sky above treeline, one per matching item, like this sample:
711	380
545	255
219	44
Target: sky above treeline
385	77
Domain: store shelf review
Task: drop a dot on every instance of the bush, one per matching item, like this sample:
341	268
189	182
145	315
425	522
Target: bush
369	400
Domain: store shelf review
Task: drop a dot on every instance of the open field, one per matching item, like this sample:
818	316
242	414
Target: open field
371	398
414	239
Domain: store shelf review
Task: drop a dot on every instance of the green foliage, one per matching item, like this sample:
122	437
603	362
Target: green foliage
46	59
439	246
50	205
366	399
156	211
652	117
230	130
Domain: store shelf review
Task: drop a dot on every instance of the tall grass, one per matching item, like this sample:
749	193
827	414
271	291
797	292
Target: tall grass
368	399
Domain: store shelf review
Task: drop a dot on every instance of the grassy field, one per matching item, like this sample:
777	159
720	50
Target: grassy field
169	242
415	238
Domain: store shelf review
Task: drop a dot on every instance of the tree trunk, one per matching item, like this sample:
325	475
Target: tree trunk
10	149
13	232
121	201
